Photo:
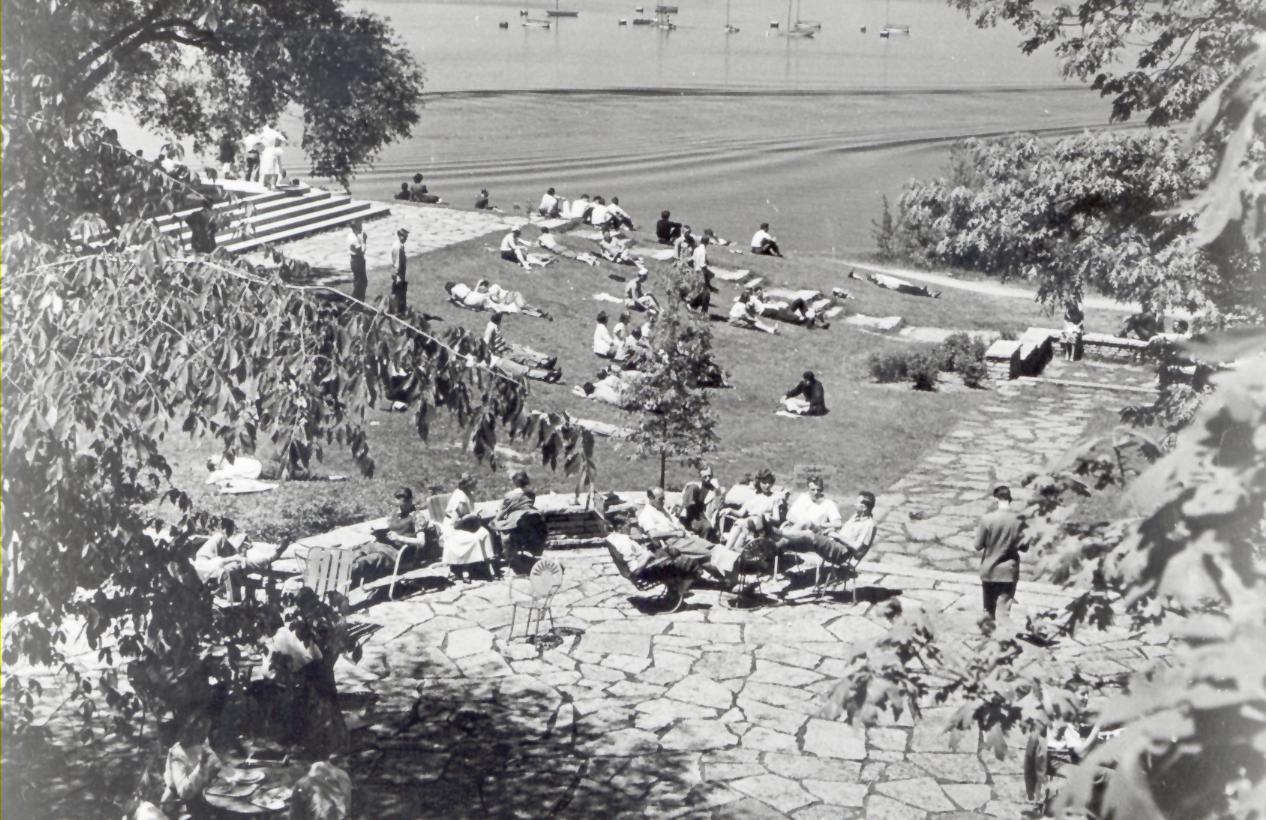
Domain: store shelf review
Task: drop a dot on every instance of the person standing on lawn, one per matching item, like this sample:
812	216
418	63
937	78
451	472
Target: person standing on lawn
399	264
356	243
1000	539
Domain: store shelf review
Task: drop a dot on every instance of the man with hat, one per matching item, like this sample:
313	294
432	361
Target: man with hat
399	263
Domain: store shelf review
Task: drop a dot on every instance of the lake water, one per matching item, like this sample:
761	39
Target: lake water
725	130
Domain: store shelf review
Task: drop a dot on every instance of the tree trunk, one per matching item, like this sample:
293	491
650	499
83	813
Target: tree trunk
663	467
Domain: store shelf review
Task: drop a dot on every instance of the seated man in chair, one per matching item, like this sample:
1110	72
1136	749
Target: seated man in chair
810	517
659	525
852	539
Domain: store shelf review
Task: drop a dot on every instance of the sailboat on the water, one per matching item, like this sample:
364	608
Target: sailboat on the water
557	12
729	29
890	29
804	25
793	31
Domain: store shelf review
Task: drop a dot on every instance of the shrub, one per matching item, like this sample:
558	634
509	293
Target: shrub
973	373
961	350
889	366
924	367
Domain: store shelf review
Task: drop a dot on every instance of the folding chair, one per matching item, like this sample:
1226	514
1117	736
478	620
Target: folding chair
839	572
329	571
544	581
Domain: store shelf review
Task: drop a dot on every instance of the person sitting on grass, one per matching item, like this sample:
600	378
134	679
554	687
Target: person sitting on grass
743	313
550	205
487	296
603	343
636	296
483	202
599	214
514	249
807	398
666	230
547	241
619	217
403	193
614	249
578	209
419	193
887	282
763	242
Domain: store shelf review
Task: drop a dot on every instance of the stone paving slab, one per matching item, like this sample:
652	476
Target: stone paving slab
430	227
707	712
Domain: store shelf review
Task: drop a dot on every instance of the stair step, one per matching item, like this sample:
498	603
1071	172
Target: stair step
307	206
178	217
265	211
356	210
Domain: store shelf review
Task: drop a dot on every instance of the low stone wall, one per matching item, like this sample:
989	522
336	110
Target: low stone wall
1028	355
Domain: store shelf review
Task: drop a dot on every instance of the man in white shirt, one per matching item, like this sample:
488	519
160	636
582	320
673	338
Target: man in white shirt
603	341
549	204
850	540
619	217
635	295
599	216
497	345
812	514
764	243
512	249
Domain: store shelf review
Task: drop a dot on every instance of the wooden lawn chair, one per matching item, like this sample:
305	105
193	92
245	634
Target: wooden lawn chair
329	570
433	514
544	581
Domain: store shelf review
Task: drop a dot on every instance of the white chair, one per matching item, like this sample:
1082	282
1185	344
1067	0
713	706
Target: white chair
544	581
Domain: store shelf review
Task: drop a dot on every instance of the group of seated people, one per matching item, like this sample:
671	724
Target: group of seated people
549	242
740	532
596	211
417	192
514	249
628	345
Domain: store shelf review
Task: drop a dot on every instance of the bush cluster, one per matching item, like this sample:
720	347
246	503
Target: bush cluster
961	353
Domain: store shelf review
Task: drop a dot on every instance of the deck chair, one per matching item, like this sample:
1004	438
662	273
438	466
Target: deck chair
329	571
544	581
843	572
673	592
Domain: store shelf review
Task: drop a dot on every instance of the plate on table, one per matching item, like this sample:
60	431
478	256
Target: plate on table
238	777
274	798
222	788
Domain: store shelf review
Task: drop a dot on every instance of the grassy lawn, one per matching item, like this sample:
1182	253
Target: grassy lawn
872	436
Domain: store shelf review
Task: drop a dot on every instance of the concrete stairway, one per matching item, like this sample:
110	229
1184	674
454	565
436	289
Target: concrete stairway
251	218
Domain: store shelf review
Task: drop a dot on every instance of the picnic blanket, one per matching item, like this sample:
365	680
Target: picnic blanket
244	486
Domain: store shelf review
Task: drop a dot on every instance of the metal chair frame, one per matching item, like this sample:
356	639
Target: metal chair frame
544	581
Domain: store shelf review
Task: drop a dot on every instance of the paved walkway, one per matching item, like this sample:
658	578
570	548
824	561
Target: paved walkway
712	711
929	517
430	227
706	712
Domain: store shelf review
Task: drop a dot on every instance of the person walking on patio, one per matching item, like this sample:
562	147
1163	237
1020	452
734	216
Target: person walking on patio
1000	540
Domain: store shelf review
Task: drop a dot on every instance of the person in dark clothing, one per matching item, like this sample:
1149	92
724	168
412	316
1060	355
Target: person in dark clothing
399	283
1000	540
695	498
202	227
252	163
482	202
667	231
356	242
419	193
403	193
807	398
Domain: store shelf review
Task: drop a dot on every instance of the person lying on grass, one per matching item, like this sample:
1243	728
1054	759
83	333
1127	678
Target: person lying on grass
795	312
610	386
487	296
549	242
887	282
